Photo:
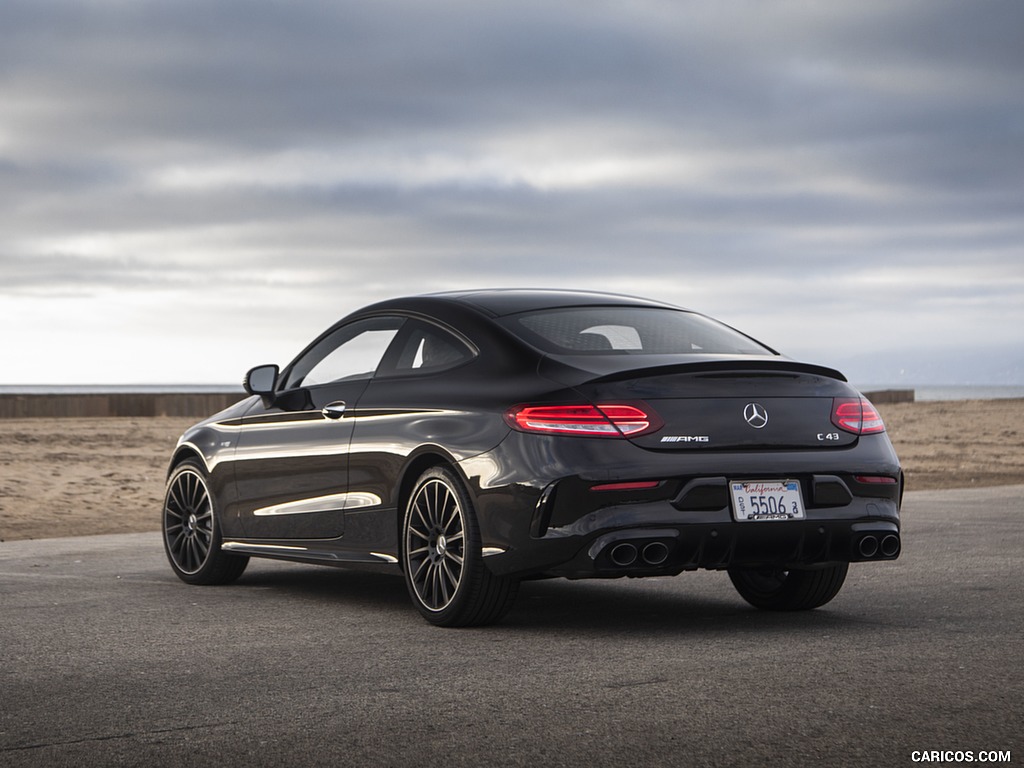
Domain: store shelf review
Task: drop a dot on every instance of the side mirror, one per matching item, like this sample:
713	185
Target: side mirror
261	380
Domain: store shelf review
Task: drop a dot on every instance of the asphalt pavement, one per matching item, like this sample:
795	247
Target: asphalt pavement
106	659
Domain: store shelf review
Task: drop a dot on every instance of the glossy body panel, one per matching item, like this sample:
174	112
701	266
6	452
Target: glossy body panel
286	456
510	482
213	442
706	408
295	482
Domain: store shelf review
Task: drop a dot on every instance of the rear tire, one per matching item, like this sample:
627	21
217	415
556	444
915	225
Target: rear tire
191	531
774	589
441	556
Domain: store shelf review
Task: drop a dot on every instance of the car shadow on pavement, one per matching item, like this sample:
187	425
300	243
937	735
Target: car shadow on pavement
657	606
649	606
383	591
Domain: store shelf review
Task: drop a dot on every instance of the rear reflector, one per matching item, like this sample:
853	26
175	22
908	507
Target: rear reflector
638	486
856	415
879	479
602	420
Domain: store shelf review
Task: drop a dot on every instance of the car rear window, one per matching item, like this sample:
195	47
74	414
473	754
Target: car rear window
630	330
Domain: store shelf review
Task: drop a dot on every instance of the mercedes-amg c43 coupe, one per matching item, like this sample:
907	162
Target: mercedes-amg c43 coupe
474	439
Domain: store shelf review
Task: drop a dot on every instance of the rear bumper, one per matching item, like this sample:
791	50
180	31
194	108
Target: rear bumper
636	540
562	526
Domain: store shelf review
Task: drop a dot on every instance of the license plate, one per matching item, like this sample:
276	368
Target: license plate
759	500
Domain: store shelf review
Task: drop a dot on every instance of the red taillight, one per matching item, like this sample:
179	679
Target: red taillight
603	420
856	415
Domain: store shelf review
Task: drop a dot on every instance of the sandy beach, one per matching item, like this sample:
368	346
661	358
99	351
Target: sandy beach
80	476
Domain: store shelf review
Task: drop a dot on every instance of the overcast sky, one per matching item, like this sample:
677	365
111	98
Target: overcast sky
191	187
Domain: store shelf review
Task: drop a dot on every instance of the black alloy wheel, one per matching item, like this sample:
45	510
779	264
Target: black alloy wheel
192	536
441	556
775	589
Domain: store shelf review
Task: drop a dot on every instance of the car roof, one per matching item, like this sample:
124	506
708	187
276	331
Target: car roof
509	301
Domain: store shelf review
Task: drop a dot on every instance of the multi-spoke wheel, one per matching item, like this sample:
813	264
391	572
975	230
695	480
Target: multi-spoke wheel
775	589
436	543
444	568
192	536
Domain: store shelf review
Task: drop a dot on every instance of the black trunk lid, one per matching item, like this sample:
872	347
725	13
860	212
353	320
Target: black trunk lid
753	403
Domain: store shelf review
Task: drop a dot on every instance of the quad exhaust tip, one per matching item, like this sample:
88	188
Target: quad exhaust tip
625	554
871	547
890	545
655	553
868	546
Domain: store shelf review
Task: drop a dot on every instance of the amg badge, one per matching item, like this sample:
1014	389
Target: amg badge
686	439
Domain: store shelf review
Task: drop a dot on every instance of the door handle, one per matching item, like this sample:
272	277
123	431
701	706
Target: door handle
334	410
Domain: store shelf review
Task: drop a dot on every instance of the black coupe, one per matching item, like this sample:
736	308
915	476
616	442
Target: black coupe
474	439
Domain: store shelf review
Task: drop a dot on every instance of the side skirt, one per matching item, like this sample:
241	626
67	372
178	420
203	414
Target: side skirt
305	553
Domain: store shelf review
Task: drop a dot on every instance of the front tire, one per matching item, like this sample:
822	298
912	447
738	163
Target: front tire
191	531
774	589
441	556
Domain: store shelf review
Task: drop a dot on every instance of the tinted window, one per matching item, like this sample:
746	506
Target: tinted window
351	352
427	348
630	330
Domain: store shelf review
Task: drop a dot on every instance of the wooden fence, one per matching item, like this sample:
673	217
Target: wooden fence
887	396
185	404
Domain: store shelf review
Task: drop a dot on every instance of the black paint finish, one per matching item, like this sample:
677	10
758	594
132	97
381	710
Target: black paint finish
293	482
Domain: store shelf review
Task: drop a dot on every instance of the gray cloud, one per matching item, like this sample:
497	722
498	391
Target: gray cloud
238	159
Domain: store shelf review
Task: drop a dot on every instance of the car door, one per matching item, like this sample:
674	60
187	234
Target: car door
291	461
407	405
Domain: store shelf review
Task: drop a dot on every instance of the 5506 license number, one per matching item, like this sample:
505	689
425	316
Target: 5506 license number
761	500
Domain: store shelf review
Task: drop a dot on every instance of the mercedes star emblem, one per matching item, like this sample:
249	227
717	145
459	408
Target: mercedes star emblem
756	415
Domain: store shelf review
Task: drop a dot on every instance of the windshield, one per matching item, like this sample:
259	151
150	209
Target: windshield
630	330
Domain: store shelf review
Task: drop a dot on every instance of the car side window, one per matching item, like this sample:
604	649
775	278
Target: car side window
351	352
426	348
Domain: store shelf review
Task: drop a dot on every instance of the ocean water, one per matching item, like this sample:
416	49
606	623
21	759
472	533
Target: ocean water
922	393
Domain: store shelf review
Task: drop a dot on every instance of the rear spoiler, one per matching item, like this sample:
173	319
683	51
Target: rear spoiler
732	368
